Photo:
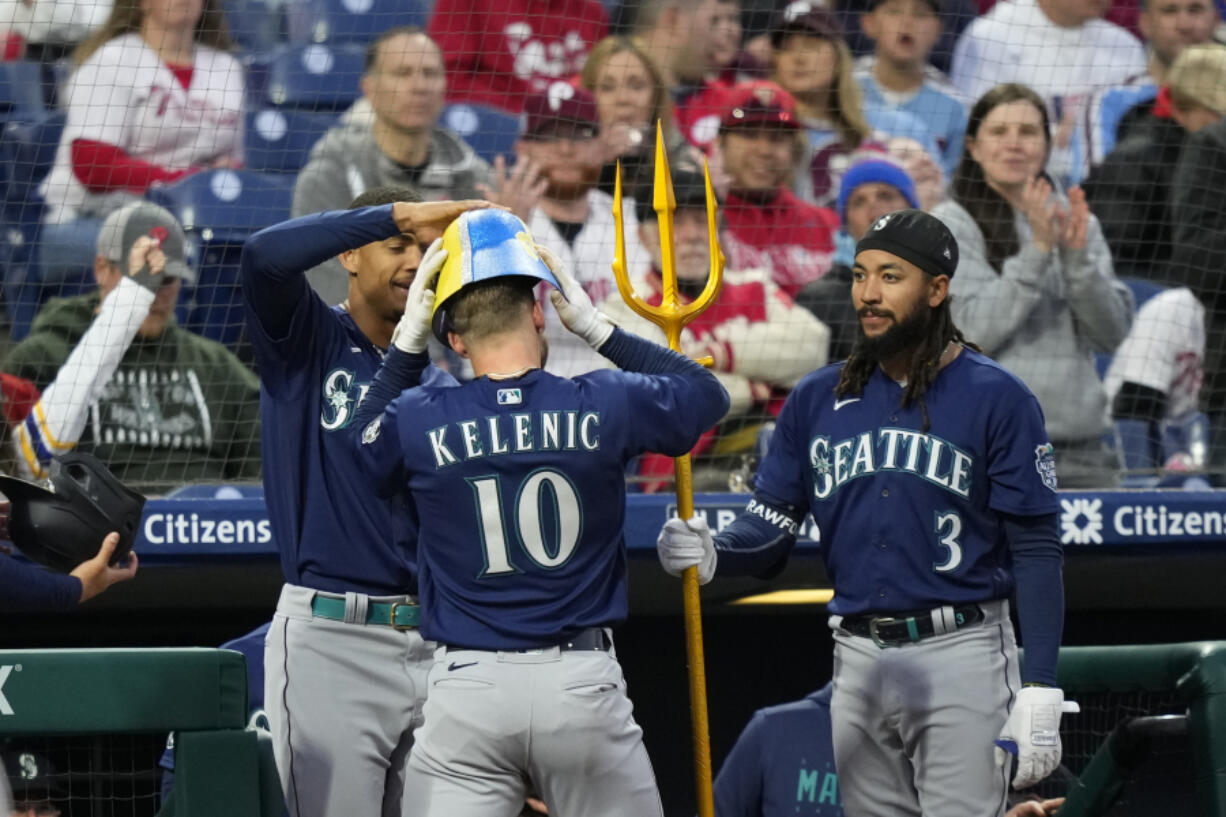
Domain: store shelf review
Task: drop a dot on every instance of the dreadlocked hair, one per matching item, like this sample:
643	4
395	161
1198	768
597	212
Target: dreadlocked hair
925	362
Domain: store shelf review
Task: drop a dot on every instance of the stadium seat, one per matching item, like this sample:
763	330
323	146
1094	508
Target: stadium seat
255	25
279	141
315	77
219	209
27	151
351	21
487	130
21	90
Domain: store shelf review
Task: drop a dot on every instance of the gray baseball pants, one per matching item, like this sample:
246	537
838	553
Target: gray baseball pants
342	700
498	723
914	725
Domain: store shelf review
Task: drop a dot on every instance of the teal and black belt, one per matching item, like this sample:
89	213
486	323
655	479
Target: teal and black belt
399	615
896	629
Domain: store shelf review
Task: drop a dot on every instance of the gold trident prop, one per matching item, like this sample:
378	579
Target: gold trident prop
672	315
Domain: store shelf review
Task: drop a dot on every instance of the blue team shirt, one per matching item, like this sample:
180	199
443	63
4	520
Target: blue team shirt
332	534
782	765
934	104
520	488
909	519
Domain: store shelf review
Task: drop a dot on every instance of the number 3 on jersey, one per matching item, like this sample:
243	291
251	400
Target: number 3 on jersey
546	516
949	528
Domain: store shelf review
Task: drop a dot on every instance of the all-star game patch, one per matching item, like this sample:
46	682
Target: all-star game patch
371	432
1045	464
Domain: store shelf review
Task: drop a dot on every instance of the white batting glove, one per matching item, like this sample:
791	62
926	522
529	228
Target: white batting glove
1034	728
412	333
685	544
574	307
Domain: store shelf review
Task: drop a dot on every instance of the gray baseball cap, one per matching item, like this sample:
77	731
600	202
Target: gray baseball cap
128	223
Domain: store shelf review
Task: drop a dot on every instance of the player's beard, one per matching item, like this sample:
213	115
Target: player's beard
570	190
901	338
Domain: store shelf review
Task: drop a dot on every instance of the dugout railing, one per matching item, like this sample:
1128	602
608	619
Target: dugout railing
1151	731
1151	734
221	765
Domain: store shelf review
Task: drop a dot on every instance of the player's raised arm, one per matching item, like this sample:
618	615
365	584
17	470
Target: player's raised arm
704	399
275	260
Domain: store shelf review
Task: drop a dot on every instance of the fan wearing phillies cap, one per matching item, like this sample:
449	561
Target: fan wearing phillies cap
158	404
573	219
761	144
928	469
694	43
518	481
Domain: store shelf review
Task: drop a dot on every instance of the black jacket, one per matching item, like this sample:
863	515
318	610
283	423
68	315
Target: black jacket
1130	192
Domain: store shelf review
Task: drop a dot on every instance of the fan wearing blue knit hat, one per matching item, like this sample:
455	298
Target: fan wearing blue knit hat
873	185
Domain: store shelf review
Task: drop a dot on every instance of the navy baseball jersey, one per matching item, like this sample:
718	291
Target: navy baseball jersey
912	519
315	366
519	485
782	765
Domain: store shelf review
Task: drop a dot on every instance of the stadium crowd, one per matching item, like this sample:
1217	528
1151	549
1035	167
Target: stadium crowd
1074	158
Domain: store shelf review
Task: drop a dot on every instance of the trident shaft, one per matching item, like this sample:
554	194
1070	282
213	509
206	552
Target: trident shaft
671	316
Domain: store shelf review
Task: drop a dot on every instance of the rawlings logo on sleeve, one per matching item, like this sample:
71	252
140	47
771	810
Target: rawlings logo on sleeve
773	516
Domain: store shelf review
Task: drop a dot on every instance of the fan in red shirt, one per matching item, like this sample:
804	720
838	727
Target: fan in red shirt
760	146
498	52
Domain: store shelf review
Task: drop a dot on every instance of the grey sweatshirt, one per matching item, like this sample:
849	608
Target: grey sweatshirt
1043	317
346	162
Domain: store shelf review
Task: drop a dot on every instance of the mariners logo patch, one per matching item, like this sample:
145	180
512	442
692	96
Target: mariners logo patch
1045	464
510	397
371	432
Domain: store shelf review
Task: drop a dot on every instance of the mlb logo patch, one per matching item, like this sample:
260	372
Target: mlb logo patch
510	397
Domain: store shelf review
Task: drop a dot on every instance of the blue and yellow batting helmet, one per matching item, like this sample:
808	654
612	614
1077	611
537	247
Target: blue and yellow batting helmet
483	245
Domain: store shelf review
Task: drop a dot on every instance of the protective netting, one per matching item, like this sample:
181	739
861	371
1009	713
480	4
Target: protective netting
237	114
1162	773
85	776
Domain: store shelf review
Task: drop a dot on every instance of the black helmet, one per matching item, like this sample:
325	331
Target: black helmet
63	524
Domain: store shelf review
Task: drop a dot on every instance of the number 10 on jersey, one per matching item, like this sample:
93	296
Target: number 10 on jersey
545	516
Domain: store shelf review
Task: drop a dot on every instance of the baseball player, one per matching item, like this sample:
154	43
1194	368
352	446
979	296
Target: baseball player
930	476
345	666
517	478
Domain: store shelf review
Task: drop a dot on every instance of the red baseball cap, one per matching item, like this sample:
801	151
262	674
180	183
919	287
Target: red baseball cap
805	17
758	102
562	110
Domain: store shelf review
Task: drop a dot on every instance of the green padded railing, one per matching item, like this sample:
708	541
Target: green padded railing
221	766
76	692
1195	672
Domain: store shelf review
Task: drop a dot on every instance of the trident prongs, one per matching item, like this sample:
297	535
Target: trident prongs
671	315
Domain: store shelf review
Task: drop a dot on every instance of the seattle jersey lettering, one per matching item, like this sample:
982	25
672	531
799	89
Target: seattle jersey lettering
514	434
889	449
